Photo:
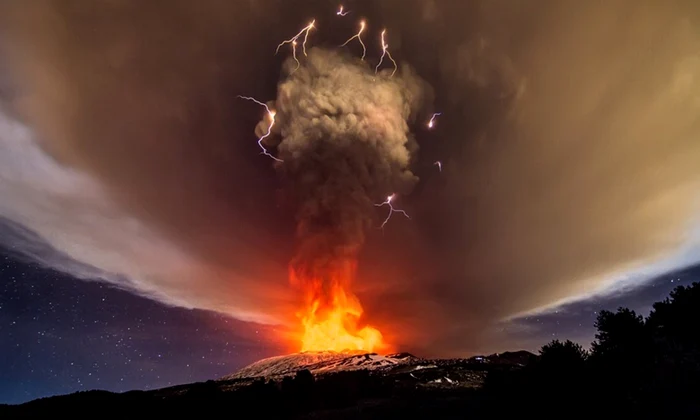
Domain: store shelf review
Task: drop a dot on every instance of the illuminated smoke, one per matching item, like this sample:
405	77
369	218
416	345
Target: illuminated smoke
345	142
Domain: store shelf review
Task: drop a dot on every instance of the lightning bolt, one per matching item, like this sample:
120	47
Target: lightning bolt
431	123
271	114
358	35
438	164
293	41
385	52
341	12
392	210
294	56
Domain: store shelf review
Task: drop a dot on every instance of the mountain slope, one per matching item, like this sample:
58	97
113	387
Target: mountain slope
320	362
391	386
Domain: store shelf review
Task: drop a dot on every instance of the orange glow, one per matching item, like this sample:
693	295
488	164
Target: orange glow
331	315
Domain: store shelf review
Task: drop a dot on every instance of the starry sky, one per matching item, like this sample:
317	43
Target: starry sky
60	335
147	239
575	321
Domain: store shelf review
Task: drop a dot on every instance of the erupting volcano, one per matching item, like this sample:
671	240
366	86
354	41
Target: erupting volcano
343	142
332	314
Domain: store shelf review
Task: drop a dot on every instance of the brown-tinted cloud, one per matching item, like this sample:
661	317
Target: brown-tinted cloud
570	149
139	99
568	138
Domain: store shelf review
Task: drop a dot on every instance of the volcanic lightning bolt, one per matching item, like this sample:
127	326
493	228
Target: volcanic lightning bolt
341	12
294	56
392	210
431	123
293	41
385	52
358	35
271	115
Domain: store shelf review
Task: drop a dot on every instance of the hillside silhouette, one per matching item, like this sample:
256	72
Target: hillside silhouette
637	367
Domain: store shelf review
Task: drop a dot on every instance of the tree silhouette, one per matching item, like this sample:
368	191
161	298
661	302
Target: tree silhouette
675	320
556	354
636	367
560	372
619	334
673	324
621	357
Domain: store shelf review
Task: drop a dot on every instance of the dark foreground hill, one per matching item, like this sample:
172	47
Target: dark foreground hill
341	386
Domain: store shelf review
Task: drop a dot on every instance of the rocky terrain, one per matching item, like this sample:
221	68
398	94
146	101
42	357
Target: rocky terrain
403	367
321	362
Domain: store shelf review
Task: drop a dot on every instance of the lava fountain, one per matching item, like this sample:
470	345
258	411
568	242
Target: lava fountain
332	313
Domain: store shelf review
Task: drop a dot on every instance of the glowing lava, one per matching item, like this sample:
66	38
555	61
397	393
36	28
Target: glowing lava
331	314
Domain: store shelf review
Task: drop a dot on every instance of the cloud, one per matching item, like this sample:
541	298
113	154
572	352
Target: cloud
77	228
128	166
569	142
568	138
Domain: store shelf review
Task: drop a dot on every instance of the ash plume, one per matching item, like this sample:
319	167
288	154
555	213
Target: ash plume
345	145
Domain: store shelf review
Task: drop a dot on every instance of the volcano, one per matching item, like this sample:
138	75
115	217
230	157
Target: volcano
312	384
399	366
320	362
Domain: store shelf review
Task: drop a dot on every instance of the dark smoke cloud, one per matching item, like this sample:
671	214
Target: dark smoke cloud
568	138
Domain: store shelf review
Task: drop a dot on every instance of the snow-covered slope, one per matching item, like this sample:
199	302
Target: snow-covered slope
319	363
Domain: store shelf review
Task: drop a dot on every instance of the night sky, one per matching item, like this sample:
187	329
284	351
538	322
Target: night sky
60	335
576	321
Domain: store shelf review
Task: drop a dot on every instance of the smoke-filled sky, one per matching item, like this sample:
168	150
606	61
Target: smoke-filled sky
568	138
